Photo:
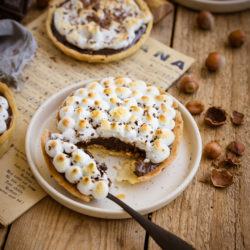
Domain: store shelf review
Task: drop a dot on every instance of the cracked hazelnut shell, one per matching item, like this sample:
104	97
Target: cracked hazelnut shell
232	160
236	147
237	118
212	150
215	117
189	84
205	20
237	38
221	177
195	107
215	61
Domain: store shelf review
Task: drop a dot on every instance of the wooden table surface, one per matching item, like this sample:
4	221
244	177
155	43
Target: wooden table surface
206	217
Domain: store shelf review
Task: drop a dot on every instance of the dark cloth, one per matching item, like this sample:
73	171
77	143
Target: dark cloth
17	48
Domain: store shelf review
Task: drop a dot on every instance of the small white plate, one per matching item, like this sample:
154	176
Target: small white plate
216	6
144	197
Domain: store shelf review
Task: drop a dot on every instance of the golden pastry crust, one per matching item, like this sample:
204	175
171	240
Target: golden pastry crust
97	58
58	177
6	137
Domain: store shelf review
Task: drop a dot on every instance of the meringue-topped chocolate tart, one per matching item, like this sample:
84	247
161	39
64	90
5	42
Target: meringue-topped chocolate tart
98	30
122	116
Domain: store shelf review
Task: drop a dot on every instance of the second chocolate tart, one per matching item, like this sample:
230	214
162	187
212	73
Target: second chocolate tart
98	30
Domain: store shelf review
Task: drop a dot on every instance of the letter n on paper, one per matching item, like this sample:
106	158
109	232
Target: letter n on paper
163	57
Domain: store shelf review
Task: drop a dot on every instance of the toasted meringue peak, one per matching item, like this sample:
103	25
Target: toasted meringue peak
100	190
4	114
73	174
61	162
3	102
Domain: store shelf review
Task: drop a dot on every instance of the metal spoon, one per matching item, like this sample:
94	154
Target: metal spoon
162	237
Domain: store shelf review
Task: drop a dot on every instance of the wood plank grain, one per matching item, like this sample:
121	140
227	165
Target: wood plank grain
162	31
212	218
3	235
49	225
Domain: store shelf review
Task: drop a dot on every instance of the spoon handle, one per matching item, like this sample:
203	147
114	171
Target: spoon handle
162	237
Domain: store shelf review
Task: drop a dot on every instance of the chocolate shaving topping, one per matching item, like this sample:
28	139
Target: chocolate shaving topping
103	167
96	6
90	155
87	3
119	15
106	21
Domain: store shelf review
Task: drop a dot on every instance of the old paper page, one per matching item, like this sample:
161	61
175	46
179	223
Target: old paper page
48	73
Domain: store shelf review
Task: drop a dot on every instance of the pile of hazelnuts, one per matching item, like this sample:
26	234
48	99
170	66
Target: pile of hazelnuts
219	175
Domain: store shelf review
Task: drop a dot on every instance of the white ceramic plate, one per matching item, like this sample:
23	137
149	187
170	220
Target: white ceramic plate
144	197
216	6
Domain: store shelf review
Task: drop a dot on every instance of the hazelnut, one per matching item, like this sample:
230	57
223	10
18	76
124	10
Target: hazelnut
189	84
237	118
215	117
236	147
221	177
212	150
205	20
237	38
215	61
195	107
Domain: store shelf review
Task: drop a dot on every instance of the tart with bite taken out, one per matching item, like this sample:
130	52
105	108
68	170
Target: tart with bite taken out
8	116
98	30
123	116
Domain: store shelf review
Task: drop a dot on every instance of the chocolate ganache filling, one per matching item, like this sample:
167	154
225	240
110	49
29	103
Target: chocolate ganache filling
60	38
112	143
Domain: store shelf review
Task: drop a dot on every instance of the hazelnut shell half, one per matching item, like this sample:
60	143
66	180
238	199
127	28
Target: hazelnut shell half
221	177
195	107
237	118
236	147
215	117
232	160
